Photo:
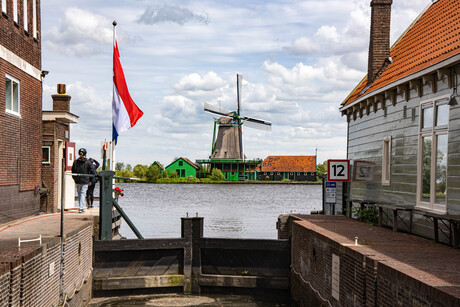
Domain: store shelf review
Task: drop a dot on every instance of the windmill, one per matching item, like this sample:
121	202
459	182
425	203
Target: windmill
229	141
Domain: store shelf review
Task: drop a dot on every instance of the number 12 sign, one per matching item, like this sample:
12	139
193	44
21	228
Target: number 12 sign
338	170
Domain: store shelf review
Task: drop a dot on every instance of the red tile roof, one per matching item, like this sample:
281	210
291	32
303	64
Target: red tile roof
432	38
190	162
289	164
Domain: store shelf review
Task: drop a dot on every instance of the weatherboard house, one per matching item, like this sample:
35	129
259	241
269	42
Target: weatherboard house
184	168
298	168
404	119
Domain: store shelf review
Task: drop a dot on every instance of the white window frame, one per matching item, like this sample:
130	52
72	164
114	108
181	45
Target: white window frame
49	155
15	11
11	111
386	160
34	17
26	20
4	8
433	132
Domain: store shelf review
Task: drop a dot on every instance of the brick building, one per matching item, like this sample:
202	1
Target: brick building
20	108
55	146
299	168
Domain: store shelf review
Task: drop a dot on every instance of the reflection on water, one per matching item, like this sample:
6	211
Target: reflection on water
226	225
229	210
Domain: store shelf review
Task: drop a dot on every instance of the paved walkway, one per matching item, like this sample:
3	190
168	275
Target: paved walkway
436	265
46	225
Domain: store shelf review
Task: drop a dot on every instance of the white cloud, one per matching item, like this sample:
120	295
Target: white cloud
172	14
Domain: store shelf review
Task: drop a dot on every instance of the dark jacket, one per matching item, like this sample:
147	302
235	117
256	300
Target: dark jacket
82	166
94	166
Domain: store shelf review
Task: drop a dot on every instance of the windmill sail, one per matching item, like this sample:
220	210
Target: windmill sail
229	141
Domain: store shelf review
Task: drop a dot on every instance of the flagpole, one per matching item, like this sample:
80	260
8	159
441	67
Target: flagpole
112	161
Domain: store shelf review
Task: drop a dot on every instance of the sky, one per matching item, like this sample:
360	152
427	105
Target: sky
299	61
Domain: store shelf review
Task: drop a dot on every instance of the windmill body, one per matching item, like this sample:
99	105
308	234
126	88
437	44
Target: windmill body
227	145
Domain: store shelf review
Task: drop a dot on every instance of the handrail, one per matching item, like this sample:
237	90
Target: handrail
128	221
93	175
30	240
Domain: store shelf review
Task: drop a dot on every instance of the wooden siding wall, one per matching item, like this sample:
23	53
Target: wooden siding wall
365	142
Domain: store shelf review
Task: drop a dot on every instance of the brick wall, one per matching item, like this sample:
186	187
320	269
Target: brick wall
78	262
379	42
21	135
51	132
4	284
363	281
16	39
30	276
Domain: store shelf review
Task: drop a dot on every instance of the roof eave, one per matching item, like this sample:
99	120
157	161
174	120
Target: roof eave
447	62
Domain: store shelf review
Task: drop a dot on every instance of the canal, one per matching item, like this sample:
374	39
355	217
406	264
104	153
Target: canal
229	210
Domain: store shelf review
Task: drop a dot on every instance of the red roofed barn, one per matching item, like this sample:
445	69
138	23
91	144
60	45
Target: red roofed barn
299	168
404	116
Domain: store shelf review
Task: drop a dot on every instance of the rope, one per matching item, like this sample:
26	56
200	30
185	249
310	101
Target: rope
311	286
68	297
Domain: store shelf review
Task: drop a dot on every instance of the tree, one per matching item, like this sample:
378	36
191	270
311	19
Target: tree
216	175
128	167
140	171
321	168
119	166
152	174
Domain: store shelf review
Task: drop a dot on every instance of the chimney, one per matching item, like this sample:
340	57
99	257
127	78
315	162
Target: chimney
379	43
61	101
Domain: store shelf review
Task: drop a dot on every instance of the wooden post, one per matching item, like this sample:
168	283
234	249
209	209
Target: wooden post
395	220
105	205
192	232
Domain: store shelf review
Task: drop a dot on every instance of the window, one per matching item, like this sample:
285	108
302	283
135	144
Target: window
265	173
181	163
305	174
34	17
386	161
278	173
182	173
4	6
45	154
271	173
432	155
178	172
26	21
12	95
15	11
298	174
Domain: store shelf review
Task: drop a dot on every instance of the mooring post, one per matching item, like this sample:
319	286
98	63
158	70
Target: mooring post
105	205
192	232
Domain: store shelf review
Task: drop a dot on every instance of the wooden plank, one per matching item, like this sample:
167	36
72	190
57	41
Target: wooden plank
252	244
124	245
244	281
138	282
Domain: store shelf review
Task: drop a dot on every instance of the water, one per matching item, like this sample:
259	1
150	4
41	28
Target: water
229	210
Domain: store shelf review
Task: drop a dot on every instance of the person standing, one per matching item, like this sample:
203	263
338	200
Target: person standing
92	184
82	166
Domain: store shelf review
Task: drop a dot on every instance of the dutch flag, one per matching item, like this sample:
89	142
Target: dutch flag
125	112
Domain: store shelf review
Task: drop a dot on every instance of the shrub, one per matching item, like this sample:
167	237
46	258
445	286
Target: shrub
367	215
216	175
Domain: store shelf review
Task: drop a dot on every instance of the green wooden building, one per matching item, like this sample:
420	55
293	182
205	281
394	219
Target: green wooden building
184	168
234	169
